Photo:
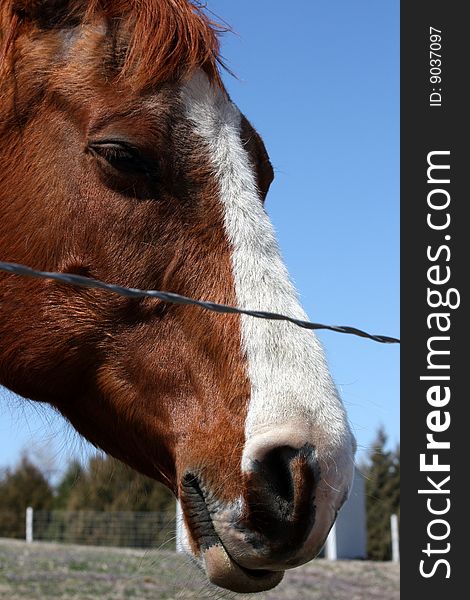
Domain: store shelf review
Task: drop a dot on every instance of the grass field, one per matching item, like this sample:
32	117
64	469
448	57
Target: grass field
40	571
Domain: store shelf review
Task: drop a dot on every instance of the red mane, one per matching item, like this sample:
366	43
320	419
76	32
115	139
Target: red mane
152	41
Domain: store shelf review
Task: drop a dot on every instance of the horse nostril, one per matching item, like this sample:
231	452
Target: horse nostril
281	487
275	469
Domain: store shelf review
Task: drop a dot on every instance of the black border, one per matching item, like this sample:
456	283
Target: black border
425	129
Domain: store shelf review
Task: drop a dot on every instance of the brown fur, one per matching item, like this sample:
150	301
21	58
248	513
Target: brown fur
163	388
157	386
149	41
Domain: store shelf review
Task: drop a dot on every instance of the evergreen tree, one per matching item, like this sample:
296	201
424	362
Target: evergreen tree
24	486
392	487
104	484
382	497
109	485
70	479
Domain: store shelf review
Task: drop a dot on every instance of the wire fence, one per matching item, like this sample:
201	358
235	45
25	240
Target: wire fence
172	298
98	528
155	530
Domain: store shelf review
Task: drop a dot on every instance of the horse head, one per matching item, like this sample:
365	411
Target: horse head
123	158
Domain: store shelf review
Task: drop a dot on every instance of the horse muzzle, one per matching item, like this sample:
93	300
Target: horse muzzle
290	499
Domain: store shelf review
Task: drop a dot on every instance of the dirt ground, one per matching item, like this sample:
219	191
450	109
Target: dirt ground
40	571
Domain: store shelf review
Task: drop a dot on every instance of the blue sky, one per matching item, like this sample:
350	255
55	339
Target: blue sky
320	82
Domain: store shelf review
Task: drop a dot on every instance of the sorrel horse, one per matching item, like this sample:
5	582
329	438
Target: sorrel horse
124	159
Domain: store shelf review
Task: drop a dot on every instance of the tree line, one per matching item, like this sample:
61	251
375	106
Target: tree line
382	474
105	484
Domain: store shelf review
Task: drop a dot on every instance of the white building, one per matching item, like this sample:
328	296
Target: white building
348	537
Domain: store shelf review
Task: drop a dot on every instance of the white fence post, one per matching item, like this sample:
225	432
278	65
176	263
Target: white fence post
180	534
395	538
29	525
331	546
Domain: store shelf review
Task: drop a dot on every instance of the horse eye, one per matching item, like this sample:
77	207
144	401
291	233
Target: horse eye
120	156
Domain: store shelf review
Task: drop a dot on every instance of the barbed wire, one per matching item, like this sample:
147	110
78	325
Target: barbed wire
87	282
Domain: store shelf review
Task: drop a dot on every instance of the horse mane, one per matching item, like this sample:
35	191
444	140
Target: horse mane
153	40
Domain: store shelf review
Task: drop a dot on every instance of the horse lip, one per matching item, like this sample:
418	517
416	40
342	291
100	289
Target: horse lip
221	569
225	572
197	512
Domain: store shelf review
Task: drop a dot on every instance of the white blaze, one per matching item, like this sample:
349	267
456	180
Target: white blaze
290	382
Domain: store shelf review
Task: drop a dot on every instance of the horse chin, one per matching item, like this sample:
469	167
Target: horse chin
221	569
224	572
